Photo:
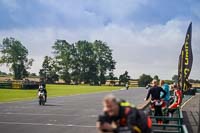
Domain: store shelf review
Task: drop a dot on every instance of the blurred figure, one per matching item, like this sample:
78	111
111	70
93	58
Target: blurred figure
177	99
155	91
165	87
122	116
156	102
148	86
127	86
43	89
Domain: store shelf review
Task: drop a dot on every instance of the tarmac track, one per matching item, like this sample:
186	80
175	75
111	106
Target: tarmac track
69	114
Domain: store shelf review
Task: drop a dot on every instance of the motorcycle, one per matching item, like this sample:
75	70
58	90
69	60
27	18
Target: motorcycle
41	97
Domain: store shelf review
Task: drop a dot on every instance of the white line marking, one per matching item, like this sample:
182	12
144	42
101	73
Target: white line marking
48	124
187	102
51	108
51	97
10	113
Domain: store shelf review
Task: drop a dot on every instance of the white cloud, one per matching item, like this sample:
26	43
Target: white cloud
152	50
91	13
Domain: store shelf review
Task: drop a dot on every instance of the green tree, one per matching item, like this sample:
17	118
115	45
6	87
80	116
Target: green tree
83	61
87	62
75	65
104	59
175	78
156	78
33	75
169	82
144	80
62	51
48	73
3	73
124	78
14	55
110	76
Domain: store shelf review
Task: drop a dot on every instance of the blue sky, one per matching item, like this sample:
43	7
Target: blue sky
146	35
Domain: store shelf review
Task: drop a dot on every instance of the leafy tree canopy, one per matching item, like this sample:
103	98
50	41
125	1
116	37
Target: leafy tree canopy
14	55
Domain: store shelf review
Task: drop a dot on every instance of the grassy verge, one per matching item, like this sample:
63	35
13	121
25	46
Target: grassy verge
7	95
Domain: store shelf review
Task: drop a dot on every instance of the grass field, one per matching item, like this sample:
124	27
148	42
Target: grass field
7	95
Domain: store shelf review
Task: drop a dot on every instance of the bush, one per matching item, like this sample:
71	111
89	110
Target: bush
5	85
30	86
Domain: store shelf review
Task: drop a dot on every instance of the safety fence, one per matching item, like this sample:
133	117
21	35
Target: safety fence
173	125
19	85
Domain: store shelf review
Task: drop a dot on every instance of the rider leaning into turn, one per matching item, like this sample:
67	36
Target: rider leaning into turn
43	89
155	92
121	115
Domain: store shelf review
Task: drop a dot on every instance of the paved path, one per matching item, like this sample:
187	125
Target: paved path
191	114
70	114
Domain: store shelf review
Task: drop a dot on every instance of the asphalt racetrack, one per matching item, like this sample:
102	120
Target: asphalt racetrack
70	114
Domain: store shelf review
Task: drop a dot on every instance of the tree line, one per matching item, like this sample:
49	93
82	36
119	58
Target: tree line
79	62
83	61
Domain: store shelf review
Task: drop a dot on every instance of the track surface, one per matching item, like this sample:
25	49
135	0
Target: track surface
70	114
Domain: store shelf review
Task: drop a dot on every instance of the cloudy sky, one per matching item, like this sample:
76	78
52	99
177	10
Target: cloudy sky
146	36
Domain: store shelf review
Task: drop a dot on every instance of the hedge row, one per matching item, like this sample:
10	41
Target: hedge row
18	86
30	86
5	85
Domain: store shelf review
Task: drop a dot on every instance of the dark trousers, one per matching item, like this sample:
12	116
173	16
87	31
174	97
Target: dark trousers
45	98
158	112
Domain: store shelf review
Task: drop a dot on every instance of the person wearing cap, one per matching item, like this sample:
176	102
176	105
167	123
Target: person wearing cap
122	116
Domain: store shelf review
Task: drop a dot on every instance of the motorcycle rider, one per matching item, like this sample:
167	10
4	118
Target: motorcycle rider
155	92
43	89
127	86
122	116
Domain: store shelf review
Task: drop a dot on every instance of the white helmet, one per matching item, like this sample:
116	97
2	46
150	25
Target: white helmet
40	87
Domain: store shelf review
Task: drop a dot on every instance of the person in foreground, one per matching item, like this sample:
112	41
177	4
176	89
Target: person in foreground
121	116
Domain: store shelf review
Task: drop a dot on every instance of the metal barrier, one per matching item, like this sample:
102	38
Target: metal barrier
176	122
197	90
182	129
176	127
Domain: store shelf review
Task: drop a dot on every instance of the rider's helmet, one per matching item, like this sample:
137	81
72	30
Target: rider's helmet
40	87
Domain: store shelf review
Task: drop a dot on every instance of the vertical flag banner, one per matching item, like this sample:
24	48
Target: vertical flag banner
185	61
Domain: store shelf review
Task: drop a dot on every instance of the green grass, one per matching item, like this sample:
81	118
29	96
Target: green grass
7	95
